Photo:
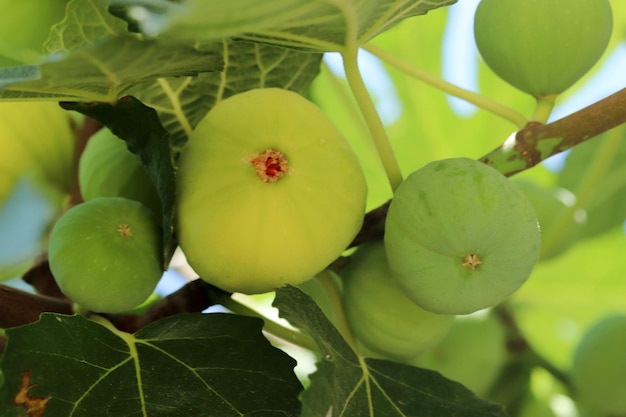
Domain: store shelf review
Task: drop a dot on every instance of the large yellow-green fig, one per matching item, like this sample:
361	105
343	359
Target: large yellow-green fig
36	168
460	236
108	169
105	254
269	192
381	316
560	224
472	353
542	47
599	366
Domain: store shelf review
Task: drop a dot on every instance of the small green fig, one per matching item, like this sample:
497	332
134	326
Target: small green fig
382	318
560	225
269	192
599	366
108	169
472	353
460	236
105	254
542	47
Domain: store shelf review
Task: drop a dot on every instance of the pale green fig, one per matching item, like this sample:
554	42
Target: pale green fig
542	47
108	169
560	225
460	236
269	192
105	254
599	366
381	317
472	353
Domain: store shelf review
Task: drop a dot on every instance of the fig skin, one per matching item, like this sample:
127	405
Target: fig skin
108	169
105	254
244	233
599	366
542	47
460	236
380	315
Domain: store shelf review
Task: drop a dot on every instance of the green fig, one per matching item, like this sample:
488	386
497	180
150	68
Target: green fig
460	236
108	169
105	254
472	353
599	366
542	47
269	192
381	316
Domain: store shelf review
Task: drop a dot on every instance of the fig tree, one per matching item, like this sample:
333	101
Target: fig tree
269	192
542	47
108	169
460	236
382	318
599	366
105	254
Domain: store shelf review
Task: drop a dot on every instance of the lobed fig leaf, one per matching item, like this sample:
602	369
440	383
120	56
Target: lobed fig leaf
105	254
269	192
108	169
599	366
381	316
542	47
460	236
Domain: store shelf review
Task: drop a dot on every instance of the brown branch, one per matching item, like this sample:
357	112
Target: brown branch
19	307
193	297
41	279
537	142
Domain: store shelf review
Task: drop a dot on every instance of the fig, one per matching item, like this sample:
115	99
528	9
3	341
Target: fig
460	236
552	206
542	47
36	170
269	192
105	254
473	352
36	138
382	318
599	366
108	169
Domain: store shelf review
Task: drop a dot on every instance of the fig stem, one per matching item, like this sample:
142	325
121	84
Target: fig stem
485	103
270	326
543	108
371	116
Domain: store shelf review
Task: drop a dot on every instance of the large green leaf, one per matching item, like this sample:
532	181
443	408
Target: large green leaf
186	365
303	24
346	384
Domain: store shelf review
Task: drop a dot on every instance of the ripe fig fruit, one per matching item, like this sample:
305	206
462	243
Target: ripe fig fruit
599	366
560	225
472	353
542	47
382	318
269	192
108	169
105	254
460	236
